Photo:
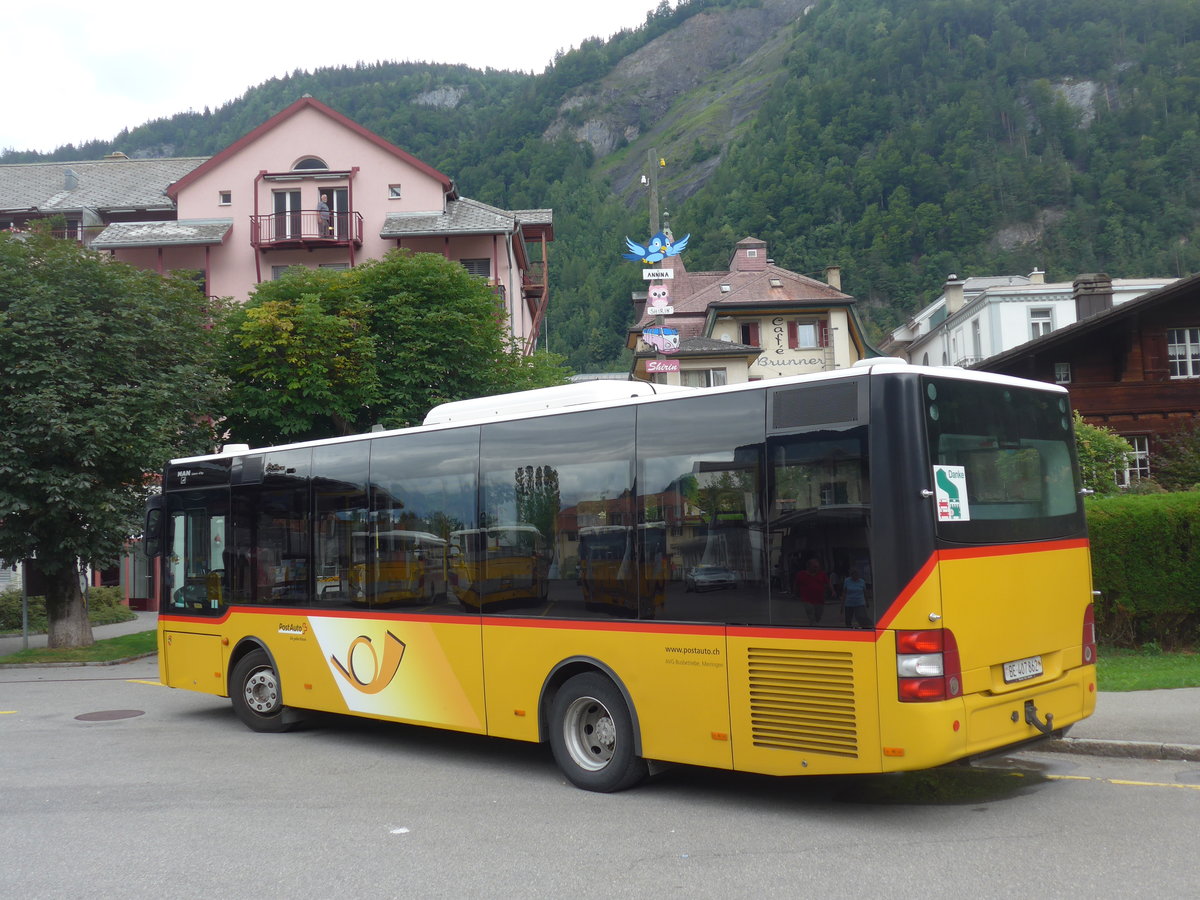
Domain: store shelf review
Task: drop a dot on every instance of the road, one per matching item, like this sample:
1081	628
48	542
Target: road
177	798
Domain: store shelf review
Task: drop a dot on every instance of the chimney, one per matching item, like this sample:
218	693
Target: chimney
833	277
1037	276
1093	294
953	291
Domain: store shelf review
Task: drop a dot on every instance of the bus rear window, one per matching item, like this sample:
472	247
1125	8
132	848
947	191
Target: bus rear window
1001	462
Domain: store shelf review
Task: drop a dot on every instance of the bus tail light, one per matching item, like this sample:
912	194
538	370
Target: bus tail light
927	665
1089	635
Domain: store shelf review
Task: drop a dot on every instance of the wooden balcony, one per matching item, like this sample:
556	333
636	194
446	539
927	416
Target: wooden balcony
306	230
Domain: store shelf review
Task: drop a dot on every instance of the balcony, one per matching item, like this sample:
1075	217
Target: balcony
306	229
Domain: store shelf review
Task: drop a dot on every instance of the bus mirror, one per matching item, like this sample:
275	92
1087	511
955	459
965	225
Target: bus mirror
152	537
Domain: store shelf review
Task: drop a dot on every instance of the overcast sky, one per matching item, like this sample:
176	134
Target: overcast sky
78	70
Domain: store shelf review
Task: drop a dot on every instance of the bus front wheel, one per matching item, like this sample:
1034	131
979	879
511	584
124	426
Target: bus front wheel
254	690
591	734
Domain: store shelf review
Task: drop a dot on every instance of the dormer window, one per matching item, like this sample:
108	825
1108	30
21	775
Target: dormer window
309	162
724	289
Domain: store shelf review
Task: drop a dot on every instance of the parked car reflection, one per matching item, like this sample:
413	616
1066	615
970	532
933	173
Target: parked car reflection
709	578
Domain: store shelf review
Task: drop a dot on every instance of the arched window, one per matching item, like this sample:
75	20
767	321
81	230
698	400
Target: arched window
310	162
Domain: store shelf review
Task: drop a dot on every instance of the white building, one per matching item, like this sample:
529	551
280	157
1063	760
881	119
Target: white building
976	318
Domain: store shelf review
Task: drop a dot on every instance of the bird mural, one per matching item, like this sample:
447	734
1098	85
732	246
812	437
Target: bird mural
656	250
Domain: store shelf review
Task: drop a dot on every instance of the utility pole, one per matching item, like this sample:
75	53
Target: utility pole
652	165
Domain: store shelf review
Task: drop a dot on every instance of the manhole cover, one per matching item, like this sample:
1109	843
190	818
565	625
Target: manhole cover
108	715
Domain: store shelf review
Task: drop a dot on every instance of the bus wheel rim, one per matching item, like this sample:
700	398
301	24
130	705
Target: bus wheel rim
590	733
262	692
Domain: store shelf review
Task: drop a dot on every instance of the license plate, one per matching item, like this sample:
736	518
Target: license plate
1022	669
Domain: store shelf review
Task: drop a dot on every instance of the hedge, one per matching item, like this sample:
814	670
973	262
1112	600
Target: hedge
1146	566
104	608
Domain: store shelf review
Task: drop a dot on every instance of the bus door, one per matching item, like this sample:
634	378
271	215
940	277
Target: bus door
195	579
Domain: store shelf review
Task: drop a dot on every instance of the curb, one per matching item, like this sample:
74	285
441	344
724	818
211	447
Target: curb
1126	749
72	665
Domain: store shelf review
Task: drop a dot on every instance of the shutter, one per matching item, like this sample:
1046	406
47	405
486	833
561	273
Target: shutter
793	336
823	332
750	334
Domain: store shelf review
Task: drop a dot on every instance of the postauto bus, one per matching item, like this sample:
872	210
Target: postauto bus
954	494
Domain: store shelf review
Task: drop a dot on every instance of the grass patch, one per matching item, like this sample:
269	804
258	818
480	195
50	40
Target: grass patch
107	650
1146	669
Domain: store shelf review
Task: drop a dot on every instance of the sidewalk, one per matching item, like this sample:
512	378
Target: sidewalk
145	621
1138	724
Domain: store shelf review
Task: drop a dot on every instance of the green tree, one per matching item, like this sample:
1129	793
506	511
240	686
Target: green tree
441	335
321	354
1101	454
106	371
303	359
1177	464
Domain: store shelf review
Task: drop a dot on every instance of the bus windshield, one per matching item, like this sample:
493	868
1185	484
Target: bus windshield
1002	462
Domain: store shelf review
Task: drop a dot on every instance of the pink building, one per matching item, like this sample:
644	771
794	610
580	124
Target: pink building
308	187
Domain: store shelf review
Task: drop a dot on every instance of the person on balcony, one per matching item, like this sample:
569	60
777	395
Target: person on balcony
323	215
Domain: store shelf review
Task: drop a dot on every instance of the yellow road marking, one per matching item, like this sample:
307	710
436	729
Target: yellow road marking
8	712
145	681
1124	782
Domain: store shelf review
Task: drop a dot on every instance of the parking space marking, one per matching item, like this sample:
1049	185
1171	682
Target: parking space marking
1124	782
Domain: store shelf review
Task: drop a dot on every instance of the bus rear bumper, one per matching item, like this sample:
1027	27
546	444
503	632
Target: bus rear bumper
997	721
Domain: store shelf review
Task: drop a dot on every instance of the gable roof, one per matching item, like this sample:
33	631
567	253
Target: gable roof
100	184
183	233
462	216
699	294
307	102
703	347
1183	288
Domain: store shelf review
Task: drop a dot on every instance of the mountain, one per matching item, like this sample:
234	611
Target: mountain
900	139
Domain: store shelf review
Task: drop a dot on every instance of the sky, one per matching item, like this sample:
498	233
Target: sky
79	70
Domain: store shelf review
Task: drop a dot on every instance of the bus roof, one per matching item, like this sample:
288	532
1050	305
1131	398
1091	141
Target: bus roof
484	408
566	398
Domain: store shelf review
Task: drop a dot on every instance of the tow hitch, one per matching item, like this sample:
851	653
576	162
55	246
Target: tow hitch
1031	718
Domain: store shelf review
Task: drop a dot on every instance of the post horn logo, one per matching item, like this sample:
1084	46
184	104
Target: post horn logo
382	671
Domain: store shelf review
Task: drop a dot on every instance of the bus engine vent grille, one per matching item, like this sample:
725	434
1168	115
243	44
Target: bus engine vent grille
803	700
826	404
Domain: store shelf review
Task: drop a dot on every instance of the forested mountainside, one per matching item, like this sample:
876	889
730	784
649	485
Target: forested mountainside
900	139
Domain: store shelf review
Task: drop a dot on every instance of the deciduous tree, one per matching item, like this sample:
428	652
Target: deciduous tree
106	371
319	354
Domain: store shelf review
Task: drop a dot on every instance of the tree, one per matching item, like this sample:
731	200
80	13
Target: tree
106	371
1102	453
441	335
319	354
303	359
1177	465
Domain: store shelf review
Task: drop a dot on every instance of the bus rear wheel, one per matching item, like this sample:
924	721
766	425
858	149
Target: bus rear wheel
591	734
254	690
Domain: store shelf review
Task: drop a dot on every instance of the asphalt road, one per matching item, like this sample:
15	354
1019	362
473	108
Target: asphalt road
176	798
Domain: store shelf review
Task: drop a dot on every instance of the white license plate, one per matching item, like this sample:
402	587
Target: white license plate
1022	669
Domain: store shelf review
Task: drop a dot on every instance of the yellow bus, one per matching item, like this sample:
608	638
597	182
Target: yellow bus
499	566
408	567
954	494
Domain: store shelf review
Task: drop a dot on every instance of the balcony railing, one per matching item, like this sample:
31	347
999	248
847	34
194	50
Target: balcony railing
306	228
